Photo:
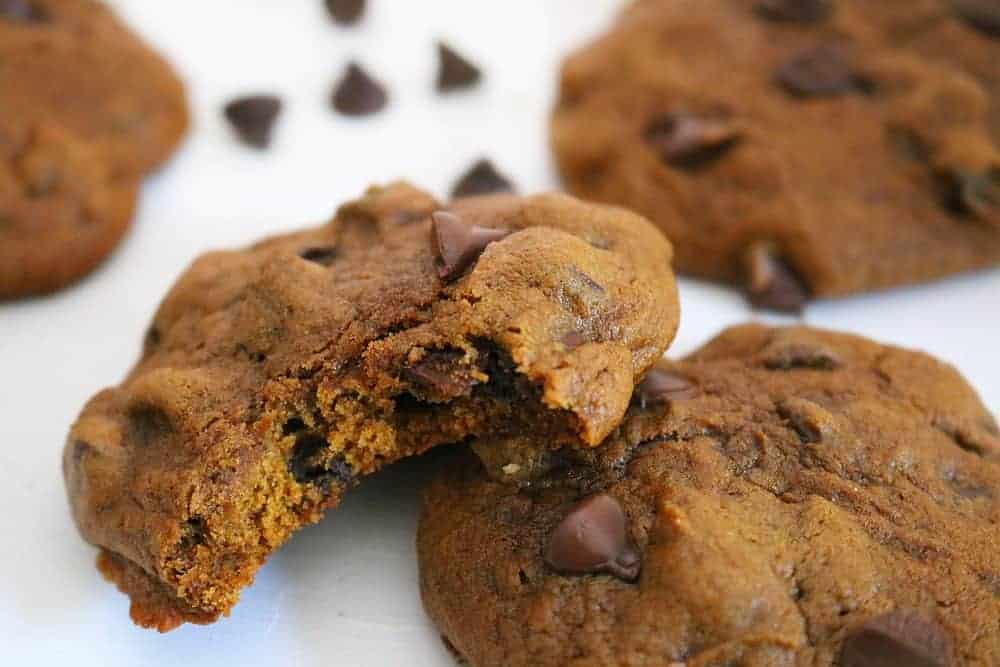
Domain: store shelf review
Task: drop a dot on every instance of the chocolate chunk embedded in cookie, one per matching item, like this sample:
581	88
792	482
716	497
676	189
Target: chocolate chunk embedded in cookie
85	110
274	378
816	503
856	140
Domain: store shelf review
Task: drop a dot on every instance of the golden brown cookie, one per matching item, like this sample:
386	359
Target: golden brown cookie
274	378
800	148
85	110
782	497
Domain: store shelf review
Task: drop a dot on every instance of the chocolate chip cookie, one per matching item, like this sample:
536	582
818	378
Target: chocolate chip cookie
85	110
273	378
800	148
781	497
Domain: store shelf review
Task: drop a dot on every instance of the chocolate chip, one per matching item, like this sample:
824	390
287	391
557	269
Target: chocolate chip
819	72
592	538
253	118
771	283
799	355
900	637
481	179
685	139
22	11
983	15
357	94
322	255
307	467
976	195
345	12
663	386
573	339
454	71
794	11
458	245
80	449
441	372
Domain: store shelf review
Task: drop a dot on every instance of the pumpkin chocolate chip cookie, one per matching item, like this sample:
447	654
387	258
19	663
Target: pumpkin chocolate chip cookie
781	497
274	378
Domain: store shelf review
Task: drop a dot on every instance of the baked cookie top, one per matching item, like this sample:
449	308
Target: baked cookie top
274	377
85	109
781	497
802	148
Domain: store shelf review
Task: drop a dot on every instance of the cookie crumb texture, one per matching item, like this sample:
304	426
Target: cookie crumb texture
822	500
87	110
273	378
858	139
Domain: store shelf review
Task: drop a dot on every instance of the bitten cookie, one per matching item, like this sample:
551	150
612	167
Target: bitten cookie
800	148
85	110
273	378
781	497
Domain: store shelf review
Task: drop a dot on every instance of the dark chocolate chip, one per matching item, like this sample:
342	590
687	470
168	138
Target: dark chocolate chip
454	71
345	12
322	255
794	11
574	339
801	355
293	425
80	449
458	245
976	195
663	386
771	283
153	336
148	424
306	464
253	118
358	94
822	71
22	11
592	538
442	373
900	637
984	15
685	139
481	179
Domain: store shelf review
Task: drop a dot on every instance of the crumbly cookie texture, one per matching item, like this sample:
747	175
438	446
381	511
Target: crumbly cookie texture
273	378
786	496
799	149
86	109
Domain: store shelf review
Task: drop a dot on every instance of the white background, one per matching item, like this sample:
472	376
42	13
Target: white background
343	592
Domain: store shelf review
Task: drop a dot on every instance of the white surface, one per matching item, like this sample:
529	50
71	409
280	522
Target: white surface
343	592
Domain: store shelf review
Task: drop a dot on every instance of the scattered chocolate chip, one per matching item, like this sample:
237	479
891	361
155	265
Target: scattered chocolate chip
794	11
307	467
801	355
442	373
148	424
345	12
900	637
22	11
819	72
293	425
974	194
771	283
573	339
358	94
153	336
458	245
593	538
454	71
663	386
481	179
322	255
983	15
253	118
685	139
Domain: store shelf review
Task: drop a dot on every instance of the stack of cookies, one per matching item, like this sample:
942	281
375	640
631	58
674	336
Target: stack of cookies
784	496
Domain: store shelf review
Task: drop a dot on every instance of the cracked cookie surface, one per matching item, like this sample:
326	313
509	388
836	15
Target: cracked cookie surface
846	145
273	378
785	497
86	109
